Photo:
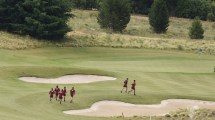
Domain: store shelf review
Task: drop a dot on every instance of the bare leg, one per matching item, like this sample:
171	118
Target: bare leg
71	100
130	91
122	89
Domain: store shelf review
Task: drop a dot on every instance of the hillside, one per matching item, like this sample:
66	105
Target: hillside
86	32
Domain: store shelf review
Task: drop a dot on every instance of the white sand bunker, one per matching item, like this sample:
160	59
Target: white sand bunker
68	79
115	108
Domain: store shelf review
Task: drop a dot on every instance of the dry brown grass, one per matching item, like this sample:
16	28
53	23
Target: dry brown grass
87	33
139	35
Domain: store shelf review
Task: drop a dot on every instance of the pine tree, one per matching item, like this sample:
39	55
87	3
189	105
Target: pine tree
159	17
45	19
11	17
114	14
196	30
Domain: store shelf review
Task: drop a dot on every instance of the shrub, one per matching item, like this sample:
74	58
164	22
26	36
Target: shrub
167	115
211	17
196	30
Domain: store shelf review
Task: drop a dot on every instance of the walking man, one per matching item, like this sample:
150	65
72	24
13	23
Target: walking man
64	93
51	94
57	90
72	93
60	96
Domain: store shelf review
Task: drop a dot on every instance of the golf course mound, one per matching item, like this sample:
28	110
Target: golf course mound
116	108
68	79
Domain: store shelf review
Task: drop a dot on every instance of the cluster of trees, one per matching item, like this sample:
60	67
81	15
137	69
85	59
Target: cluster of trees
205	9
47	19
115	15
38	18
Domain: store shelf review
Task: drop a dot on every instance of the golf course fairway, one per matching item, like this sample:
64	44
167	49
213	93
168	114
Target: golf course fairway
159	74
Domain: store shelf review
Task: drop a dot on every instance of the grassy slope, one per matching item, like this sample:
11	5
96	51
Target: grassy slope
85	21
86	32
138	34
159	74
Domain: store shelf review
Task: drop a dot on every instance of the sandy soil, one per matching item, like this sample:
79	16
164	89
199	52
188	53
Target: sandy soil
115	108
68	79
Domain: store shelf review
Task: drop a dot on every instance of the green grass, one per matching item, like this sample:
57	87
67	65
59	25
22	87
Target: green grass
160	75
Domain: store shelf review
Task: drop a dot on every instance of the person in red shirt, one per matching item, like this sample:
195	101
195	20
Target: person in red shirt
51	94
60	96
72	93
57	90
133	85
125	85
64	93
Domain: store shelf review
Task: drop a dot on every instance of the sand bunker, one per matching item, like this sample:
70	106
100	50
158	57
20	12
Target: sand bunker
68	79
115	108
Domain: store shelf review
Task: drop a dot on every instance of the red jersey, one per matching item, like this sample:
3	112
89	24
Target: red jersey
133	85
64	92
51	93
72	92
60	95
125	83
57	90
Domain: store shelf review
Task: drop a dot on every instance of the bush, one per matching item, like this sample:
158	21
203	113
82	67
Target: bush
211	17
196	30
114	14
159	17
167	115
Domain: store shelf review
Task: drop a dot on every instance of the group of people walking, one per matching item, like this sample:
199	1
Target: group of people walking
60	95
125	86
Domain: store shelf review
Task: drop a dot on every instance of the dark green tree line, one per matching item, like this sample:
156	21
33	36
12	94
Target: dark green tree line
11	18
44	19
85	4
193	8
